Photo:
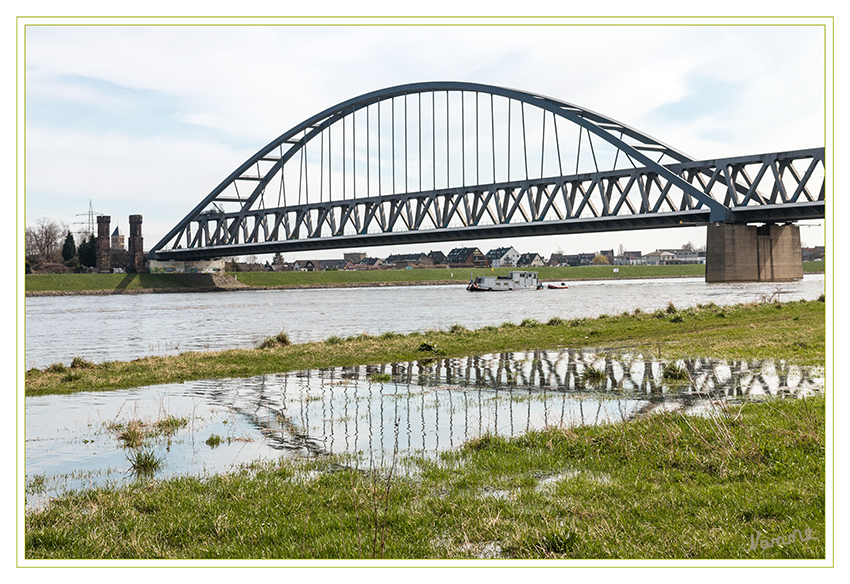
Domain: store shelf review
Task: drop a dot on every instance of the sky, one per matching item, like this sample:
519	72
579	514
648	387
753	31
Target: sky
143	118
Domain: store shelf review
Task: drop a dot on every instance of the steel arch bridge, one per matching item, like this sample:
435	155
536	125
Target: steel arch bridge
453	161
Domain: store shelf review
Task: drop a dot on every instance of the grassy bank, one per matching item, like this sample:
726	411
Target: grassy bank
107	282
793	331
746	482
458	275
82	283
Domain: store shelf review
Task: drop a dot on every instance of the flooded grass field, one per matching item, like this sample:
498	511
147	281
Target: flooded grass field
372	413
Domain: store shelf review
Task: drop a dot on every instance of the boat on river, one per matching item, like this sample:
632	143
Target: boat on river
511	281
558	286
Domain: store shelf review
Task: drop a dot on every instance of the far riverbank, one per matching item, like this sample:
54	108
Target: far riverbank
108	284
237	287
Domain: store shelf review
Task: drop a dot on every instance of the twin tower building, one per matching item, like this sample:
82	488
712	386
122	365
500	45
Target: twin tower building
111	253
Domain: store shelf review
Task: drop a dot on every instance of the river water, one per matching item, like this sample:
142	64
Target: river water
124	327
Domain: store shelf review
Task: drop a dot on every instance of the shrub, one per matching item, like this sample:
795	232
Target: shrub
529	323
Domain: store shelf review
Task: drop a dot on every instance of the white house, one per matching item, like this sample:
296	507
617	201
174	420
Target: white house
660	257
503	257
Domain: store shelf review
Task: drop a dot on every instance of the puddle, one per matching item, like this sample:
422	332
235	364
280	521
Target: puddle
488	550
550	482
501	494
77	441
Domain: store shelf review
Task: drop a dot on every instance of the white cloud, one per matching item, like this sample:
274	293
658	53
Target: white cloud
163	179
205	98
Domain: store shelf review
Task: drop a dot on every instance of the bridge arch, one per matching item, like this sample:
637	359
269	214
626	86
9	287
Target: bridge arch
445	161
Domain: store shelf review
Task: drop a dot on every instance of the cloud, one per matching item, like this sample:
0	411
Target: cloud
158	116
161	178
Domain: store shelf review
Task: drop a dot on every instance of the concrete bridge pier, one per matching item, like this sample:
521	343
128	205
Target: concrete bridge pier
751	253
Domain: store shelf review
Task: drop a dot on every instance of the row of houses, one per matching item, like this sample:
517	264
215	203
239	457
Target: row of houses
501	257
473	257
461	257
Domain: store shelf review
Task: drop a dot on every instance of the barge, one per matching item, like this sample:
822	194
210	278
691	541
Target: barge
512	281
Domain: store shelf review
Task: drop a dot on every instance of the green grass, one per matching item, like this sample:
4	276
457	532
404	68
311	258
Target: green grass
459	275
102	282
70	283
663	487
751	331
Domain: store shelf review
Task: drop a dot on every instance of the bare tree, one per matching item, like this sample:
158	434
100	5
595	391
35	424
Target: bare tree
44	240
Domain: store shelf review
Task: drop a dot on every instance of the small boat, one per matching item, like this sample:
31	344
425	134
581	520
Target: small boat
512	281
558	286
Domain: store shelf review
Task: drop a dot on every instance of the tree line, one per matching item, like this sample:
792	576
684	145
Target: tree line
51	245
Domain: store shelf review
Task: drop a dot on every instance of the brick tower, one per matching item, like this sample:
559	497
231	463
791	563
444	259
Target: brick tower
103	243
136	244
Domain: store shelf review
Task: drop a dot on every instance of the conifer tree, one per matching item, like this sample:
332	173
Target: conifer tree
69	248
88	252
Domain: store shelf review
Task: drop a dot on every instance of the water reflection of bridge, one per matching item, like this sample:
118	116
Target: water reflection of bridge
434	405
562	370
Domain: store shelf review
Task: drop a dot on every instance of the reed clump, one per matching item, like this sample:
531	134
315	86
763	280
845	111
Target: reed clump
592	375
675	373
144	462
279	340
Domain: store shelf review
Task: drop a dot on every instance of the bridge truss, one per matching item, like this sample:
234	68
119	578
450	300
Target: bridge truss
453	161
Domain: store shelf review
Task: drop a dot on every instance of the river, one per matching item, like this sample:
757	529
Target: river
125	327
